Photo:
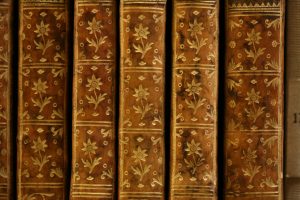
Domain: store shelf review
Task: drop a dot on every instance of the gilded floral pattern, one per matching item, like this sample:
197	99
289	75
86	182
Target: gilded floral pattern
253	102
5	81
93	167
142	100
42	81
194	96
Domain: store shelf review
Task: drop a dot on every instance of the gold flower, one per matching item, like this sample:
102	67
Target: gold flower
40	87
141	32
253	37
42	29
195	28
253	97
249	156
193	88
193	148
94	26
94	83
139	155
89	147
141	93
39	145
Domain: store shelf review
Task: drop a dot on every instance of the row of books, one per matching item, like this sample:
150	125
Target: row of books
120	150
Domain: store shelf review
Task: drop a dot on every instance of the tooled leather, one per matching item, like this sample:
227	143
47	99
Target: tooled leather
43	66
254	99
93	165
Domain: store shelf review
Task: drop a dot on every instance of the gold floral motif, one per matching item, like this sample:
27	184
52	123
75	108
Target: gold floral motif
253	97
193	89
40	146
139	156
95	29
141	34
90	148
141	93
253	39
42	31
94	85
254	112
141	96
195	31
250	158
194	150
40	89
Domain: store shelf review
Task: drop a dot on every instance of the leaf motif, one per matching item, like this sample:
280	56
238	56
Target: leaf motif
57	171
270	141
251	171
232	84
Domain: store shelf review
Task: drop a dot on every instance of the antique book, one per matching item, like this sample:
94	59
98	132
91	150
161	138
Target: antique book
292	166
253	115
142	88
42	134
193	173
93	154
6	139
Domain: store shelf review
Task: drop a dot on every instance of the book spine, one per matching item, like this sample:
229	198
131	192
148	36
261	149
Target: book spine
142	88
5	100
93	170
292	172
43	66
194	100
254	99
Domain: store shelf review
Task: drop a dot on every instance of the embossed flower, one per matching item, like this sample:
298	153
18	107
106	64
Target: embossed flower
40	86
139	155
141	32
39	145
94	26
253	37
195	28
193	148
249	155
141	93
94	83
193	88
89	147
253	97
42	29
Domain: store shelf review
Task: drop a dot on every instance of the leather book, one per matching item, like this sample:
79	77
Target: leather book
193	173
93	138
142	89
43	65
292	117
6	139
254	99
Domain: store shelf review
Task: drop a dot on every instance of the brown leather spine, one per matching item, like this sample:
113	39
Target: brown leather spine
254	99
93	170
5	100
194	100
142	88
292	160
43	65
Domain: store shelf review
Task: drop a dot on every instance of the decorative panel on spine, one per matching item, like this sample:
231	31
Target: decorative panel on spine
5	100
254	99
43	64
93	169
141	120
292	117
194	100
